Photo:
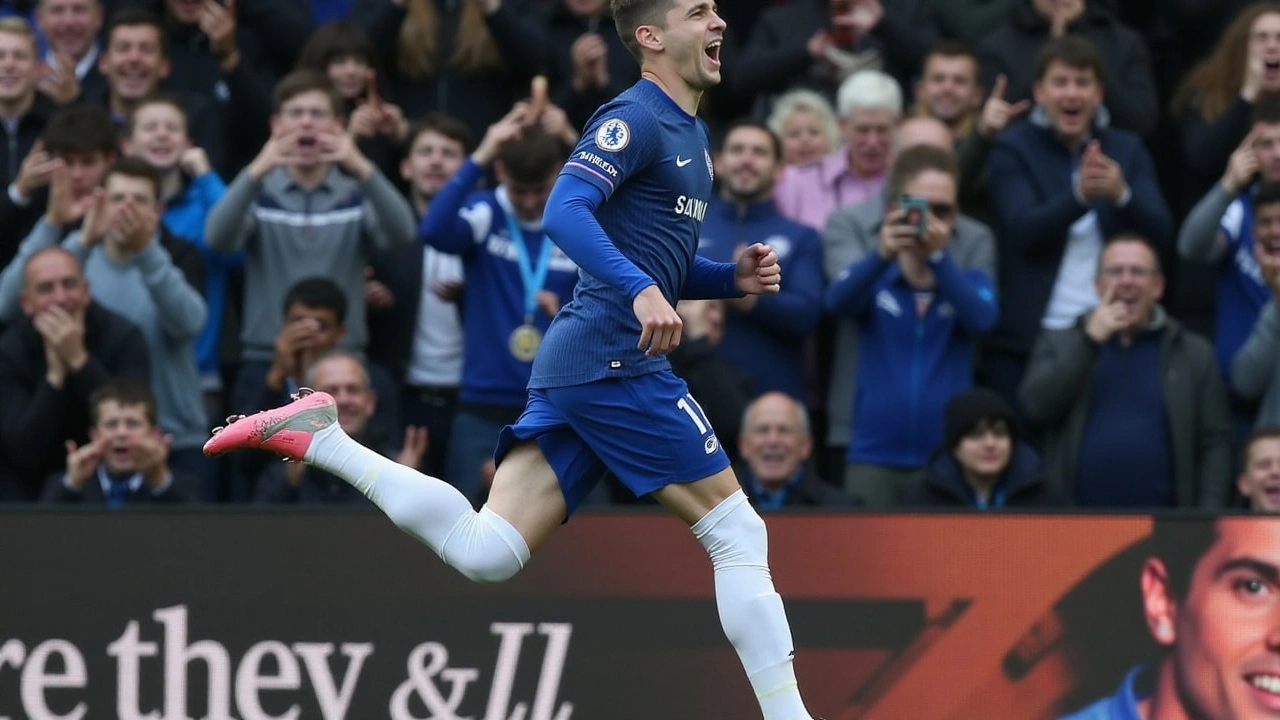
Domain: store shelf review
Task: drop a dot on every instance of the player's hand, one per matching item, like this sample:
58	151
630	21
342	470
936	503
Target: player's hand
63	334
587	53
548	302
151	457
218	23
415	447
134	226
758	271
660	325
194	162
365	120
997	112
83	461
500	133
1243	164
377	296
896	234
340	149
1108	318
280	149
59	81
36	170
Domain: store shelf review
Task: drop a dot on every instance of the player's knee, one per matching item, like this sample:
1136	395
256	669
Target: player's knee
489	573
485	548
738	536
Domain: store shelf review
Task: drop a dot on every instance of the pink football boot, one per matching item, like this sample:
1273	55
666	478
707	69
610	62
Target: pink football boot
285	430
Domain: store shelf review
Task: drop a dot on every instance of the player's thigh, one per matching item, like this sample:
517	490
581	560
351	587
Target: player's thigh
692	501
526	493
648	430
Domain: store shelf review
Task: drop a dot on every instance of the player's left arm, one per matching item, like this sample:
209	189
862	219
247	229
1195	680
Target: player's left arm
970	292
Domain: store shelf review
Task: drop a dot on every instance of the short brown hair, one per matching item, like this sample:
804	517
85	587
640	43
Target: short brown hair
952	49
533	157
14	25
1073	51
1267	432
134	16
123	392
307	80
81	128
437	122
157	98
628	15
918	159
134	167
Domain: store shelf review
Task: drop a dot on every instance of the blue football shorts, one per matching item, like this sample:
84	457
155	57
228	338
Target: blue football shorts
646	430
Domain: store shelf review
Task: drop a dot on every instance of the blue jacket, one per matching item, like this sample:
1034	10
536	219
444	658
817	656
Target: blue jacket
909	366
768	342
184	217
1033	193
1121	706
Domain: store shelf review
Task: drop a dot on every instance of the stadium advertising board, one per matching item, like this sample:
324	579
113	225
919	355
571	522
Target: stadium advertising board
320	615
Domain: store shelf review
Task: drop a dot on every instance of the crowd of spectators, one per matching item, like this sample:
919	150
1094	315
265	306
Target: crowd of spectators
1030	248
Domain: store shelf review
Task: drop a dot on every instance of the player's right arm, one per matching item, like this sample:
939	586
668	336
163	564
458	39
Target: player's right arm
444	227
618	143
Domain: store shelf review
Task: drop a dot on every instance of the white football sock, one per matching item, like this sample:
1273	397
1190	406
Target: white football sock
751	611
481	545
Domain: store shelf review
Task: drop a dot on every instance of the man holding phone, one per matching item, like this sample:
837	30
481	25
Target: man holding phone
918	314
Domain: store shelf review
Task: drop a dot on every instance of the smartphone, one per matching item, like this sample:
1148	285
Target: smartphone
917	213
841	35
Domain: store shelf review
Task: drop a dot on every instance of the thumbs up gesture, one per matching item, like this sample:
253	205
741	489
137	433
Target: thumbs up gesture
997	112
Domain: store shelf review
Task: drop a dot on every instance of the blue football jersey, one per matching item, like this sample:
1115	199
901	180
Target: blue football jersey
652	162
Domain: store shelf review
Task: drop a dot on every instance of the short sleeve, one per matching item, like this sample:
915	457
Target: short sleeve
620	141
1232	222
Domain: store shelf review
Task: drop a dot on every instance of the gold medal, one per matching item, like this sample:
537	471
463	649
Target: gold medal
524	343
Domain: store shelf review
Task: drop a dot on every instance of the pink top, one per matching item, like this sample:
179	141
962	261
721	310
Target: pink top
809	193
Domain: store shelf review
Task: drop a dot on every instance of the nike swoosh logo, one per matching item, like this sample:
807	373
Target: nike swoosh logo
680	163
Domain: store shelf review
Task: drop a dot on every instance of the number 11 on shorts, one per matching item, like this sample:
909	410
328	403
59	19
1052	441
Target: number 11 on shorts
699	418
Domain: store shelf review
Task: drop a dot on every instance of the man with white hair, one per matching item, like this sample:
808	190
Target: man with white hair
869	104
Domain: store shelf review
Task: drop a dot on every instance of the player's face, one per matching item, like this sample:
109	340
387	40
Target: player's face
159	135
123	426
347	382
85	170
1070	96
803	140
349	75
432	160
692	38
1130	269
1266	226
986	449
774	443
307	115
747	165
1226	634
1267	149
869	133
134	61
939	189
70	25
17	67
1260	481
54	278
949	88
327	328
1264	48
530	199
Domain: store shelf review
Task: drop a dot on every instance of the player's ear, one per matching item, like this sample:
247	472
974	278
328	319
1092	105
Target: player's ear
1158	602
649	37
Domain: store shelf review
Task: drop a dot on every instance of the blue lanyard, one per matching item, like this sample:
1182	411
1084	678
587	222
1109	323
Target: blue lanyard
532	277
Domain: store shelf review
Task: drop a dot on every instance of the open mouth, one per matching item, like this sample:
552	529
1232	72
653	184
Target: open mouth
1271	68
1266	689
713	51
307	141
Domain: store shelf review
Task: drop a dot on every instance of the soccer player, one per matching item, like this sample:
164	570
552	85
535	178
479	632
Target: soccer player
626	208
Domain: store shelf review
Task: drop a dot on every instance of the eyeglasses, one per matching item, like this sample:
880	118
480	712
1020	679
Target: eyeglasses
1115	272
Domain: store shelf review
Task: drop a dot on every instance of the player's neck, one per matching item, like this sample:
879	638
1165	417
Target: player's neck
675	88
1164	702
